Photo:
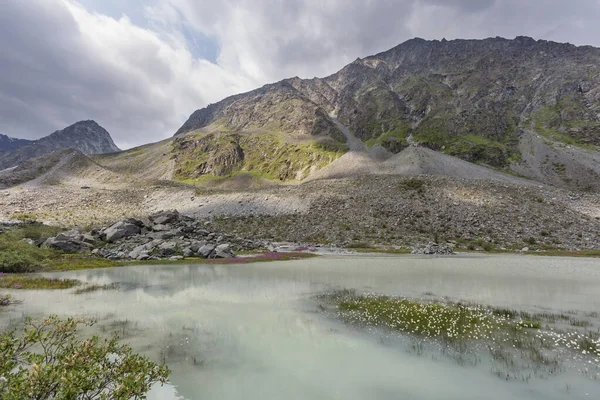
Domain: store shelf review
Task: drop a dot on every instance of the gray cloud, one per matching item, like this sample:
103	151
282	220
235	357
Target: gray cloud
61	63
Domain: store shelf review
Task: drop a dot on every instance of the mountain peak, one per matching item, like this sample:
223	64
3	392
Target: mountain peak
8	143
86	136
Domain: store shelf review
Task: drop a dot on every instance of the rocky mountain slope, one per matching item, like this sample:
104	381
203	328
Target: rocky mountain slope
86	136
8	143
524	106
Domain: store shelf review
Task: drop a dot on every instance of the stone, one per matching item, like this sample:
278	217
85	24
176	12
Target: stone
135	221
224	251
176	258
121	230
70	246
135	253
207	250
165	217
161	227
87	238
168	248
28	241
187	252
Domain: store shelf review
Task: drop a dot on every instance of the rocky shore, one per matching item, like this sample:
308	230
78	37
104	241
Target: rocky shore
166	235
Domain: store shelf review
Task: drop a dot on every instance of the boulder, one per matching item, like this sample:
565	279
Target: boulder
137	252
70	246
207	250
187	252
196	245
87	238
161	227
224	251
165	217
135	221
168	248
121	230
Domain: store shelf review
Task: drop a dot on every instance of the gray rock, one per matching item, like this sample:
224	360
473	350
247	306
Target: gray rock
135	222
87	238
176	258
70	246
135	253
161	227
224	251
207	250
28	241
168	248
121	230
165	217
197	245
187	252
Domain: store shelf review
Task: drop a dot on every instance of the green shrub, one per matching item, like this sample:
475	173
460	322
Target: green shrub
530	241
49	360
13	262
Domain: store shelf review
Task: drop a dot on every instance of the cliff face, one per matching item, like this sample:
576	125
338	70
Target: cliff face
86	136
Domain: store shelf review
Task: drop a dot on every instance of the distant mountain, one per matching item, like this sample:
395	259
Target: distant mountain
529	107
86	136
8	143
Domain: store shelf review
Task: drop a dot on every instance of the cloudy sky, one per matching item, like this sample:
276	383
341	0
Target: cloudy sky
140	68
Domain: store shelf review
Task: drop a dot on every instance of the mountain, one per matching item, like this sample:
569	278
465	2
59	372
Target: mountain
8	143
528	107
86	136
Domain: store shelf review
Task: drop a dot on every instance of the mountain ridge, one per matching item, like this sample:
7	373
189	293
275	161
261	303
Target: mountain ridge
478	100
8	143
87	136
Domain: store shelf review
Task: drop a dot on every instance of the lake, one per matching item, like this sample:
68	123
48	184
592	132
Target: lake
257	331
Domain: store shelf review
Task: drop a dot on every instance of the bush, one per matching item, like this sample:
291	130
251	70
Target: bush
14	262
67	367
530	241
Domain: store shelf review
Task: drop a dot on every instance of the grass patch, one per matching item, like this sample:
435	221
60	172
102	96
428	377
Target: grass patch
27	282
96	288
516	341
199	158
